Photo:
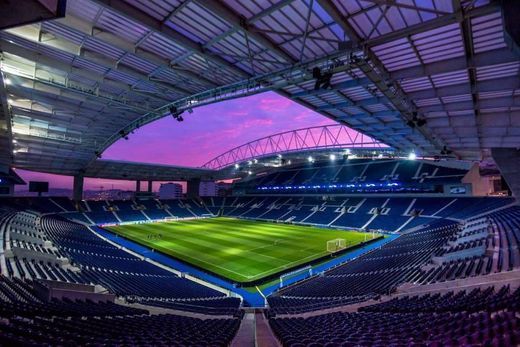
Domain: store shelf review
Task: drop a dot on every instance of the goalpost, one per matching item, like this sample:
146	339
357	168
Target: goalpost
336	245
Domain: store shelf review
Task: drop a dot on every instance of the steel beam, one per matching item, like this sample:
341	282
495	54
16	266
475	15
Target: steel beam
492	85
495	57
91	31
133	14
42	59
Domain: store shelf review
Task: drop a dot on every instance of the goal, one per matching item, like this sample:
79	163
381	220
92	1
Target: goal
336	245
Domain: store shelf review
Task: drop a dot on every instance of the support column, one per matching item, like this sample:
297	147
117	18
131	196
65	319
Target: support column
508	161
77	191
193	186
150	186
137	186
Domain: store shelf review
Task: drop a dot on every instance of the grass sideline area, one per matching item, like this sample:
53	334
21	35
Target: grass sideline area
239	250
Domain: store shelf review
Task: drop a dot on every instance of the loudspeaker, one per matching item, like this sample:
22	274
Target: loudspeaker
511	13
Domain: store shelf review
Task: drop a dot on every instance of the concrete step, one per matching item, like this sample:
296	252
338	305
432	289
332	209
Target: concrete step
245	336
264	335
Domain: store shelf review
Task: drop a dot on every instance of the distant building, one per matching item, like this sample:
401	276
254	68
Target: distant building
207	188
170	191
109	194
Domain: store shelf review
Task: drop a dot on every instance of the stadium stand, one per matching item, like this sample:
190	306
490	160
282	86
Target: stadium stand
408	176
385	329
396	225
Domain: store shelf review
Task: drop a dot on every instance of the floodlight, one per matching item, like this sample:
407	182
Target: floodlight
310	159
421	122
7	81
332	157
412	156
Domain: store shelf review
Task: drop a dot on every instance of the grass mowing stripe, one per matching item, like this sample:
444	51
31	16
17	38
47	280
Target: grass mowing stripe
240	250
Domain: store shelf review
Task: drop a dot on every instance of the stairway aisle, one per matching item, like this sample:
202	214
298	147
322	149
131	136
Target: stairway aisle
264	335
245	336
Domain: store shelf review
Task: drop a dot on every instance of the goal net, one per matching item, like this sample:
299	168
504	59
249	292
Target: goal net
336	245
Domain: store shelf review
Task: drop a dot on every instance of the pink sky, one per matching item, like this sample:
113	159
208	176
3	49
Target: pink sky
208	132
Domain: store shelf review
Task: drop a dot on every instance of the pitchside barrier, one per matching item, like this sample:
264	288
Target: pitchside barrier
295	276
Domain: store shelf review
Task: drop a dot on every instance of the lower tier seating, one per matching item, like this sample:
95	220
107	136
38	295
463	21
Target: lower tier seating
400	329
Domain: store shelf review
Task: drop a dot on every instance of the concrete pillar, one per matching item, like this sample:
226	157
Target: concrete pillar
508	161
77	191
150	186
137	186
193	187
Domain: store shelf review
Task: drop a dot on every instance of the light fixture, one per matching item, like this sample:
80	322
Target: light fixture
237	166
249	163
255	161
310	159
412	156
347	151
249	172
415	121
446	151
332	157
421	122
380	155
7	81
322	80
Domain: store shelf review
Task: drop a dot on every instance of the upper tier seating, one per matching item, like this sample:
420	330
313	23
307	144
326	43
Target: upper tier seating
389	214
127	212
100	213
422	175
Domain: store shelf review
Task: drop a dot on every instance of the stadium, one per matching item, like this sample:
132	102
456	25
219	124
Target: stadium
296	172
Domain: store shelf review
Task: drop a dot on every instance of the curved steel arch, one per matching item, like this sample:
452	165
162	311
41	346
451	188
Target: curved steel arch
312	138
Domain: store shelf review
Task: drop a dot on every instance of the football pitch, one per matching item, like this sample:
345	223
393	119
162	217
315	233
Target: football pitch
240	250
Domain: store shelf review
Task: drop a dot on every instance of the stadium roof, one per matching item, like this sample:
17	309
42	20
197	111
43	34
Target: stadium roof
77	84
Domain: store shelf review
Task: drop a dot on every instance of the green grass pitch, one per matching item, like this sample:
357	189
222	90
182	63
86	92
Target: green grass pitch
240	250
